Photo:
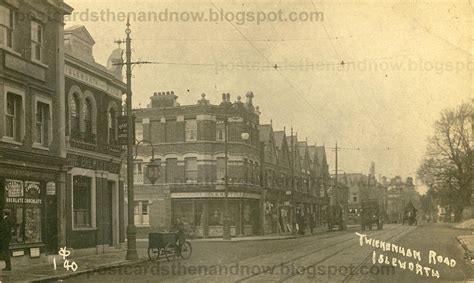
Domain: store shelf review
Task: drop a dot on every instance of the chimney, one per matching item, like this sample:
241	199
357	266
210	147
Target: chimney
248	102
164	99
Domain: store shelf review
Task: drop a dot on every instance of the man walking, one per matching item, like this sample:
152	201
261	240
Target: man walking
6	225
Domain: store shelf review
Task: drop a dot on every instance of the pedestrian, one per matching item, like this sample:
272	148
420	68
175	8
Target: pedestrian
180	234
302	224
6	226
311	222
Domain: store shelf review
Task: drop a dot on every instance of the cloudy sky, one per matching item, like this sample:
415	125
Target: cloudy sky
368	75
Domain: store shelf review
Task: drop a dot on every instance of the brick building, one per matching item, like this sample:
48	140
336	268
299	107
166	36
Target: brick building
32	138
190	142
94	187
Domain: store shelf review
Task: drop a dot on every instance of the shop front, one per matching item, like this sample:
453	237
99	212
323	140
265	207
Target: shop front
203	213
30	196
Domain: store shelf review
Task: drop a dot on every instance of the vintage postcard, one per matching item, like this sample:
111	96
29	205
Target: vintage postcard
236	141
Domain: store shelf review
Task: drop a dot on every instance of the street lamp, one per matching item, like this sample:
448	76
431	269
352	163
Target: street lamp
152	170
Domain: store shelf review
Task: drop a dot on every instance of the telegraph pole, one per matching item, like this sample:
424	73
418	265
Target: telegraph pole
131	229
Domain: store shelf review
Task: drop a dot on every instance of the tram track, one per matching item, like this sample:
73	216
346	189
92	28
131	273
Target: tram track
339	251
350	237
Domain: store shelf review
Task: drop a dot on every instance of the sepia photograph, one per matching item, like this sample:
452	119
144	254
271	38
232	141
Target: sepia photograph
236	141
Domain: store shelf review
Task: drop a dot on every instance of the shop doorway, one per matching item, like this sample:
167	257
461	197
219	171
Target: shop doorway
107	224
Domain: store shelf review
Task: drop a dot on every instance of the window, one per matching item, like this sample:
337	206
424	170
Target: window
139	131
112	125
74	112
88	118
81	195
220	131
141	212
220	166
354	199
191	169
13	117
6	27
42	124
190	130
36	41
24	200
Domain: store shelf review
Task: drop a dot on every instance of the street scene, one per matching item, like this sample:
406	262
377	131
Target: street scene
299	141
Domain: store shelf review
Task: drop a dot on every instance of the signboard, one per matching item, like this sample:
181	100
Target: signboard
288	193
51	189
14	188
34	252
18	253
122	136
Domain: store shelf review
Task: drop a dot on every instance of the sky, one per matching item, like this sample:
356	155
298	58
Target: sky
372	76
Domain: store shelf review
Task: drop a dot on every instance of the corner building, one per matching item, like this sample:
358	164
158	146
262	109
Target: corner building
190	142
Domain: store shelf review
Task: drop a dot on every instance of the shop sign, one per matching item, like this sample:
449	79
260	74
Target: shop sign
32	188
14	188
18	253
24	200
51	189
35	252
122	136
288	193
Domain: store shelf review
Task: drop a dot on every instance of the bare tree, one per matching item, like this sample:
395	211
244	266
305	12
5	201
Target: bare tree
447	167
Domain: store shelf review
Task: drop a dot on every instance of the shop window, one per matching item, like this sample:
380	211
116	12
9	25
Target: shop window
81	195
142	212
191	169
6	27
190	130
42	128
13	117
216	214
24	200
36	41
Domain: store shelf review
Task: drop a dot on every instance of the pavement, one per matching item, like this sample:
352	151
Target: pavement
45	272
467	242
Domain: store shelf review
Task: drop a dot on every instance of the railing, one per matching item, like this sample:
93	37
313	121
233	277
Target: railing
91	145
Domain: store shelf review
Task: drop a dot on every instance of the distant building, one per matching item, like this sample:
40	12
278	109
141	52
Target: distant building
399	194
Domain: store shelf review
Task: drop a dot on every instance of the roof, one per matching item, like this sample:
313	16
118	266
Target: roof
279	135
81	32
264	132
320	154
291	141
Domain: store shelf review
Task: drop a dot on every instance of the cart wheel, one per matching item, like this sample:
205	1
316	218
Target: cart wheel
186	250
153	254
170	251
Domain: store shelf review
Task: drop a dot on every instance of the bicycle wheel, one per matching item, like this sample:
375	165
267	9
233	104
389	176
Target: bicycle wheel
153	254
186	250
170	251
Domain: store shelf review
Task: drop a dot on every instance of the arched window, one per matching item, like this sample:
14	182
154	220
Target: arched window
75	128
112	125
88	118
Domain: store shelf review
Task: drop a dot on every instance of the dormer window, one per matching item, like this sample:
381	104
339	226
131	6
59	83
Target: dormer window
36	41
6	27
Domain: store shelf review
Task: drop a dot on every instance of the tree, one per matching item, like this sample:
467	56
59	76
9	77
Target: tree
447	167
